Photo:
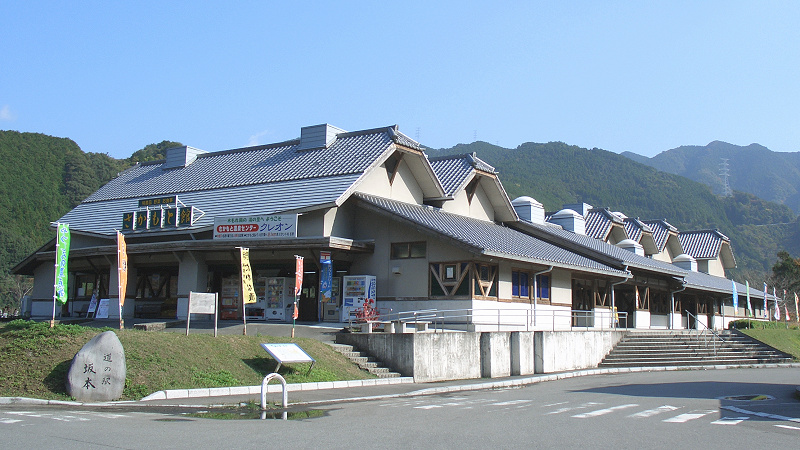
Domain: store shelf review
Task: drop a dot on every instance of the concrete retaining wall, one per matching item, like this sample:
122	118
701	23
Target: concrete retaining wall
457	356
556	351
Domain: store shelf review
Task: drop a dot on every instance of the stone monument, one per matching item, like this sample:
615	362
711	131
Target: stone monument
98	370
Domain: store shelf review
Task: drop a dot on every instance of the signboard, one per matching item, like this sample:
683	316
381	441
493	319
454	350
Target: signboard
140	220
279	226
102	309
157	201
202	303
185	216
169	218
155	218
288	353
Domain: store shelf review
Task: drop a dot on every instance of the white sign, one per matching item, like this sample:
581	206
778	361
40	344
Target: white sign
202	303
102	309
278	226
288	353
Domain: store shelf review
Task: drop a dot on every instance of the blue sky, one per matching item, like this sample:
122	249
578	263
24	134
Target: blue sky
623	76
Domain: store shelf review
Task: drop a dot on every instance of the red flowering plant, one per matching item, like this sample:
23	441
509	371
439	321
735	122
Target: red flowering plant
368	312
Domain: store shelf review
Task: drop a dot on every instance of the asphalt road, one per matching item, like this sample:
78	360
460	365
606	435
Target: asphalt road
741	408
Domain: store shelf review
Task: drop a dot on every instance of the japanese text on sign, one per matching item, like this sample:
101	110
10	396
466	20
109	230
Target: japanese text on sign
256	227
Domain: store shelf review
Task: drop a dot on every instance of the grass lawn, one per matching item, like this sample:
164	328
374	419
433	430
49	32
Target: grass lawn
35	359
777	335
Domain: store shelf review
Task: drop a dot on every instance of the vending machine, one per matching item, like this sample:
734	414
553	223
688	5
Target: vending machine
279	295
356	289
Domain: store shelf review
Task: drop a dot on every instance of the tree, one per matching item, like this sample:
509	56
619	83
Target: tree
786	272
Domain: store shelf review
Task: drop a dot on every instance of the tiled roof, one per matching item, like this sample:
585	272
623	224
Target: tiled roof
350	153
575	242
702	244
486	237
635	227
103	217
453	170
706	282
661	230
599	222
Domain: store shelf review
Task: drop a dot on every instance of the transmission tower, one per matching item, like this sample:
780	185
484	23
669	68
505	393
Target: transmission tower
724	173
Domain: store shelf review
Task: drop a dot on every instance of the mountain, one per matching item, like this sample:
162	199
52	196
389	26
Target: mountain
556	174
41	178
773	176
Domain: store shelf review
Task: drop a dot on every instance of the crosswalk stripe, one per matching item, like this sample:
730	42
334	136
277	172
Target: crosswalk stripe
681	418
600	412
761	414
573	408
10	421
729	420
652	412
788	426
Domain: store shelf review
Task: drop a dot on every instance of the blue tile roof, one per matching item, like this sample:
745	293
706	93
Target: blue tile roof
487	237
661	230
590	246
349	154
453	170
599	222
635	227
702	244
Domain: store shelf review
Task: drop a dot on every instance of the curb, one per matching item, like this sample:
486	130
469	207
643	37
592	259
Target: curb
271	389
325	385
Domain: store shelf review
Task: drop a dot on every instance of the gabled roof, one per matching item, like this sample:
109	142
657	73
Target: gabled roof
266	179
706	244
456	172
482	237
597	249
641	233
661	231
600	221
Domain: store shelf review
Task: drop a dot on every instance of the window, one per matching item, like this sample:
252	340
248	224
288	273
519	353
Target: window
406	250
542	286
520	284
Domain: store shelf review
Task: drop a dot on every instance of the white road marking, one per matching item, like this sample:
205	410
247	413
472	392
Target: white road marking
511	402
761	414
10	421
554	404
573	408
682	418
652	412
729	420
788	427
428	407
600	412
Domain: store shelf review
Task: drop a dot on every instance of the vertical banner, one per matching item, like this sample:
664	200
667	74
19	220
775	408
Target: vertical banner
735	299
248	291
749	311
122	273
298	275
766	307
777	309
62	258
796	308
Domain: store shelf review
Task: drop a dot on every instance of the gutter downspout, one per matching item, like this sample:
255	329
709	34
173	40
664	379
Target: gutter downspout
672	305
536	290
614	298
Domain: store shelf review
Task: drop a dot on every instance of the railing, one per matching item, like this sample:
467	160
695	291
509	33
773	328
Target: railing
704	332
504	319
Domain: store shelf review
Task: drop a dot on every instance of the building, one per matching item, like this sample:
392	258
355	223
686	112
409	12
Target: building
435	233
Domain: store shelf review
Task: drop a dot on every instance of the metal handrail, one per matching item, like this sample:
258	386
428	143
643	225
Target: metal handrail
509	318
703	333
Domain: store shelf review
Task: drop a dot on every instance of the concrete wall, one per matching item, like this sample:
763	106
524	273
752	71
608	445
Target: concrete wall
557	351
455	356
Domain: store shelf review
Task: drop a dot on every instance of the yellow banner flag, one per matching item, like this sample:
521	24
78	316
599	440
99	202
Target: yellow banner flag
122	267
248	292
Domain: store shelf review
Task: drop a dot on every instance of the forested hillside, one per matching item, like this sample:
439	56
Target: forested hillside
41	178
556	174
755	169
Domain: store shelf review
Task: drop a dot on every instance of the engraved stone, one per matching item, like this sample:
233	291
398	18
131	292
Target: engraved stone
98	370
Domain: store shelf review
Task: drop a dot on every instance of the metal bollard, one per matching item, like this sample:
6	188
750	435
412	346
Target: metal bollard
266	381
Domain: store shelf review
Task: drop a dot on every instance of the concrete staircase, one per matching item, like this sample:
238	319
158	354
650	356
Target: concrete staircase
682	348
365	362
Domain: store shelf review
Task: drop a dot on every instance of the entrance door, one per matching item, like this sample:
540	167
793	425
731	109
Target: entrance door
309	298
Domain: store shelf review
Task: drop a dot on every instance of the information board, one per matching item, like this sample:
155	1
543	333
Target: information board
288	353
202	303
102	309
